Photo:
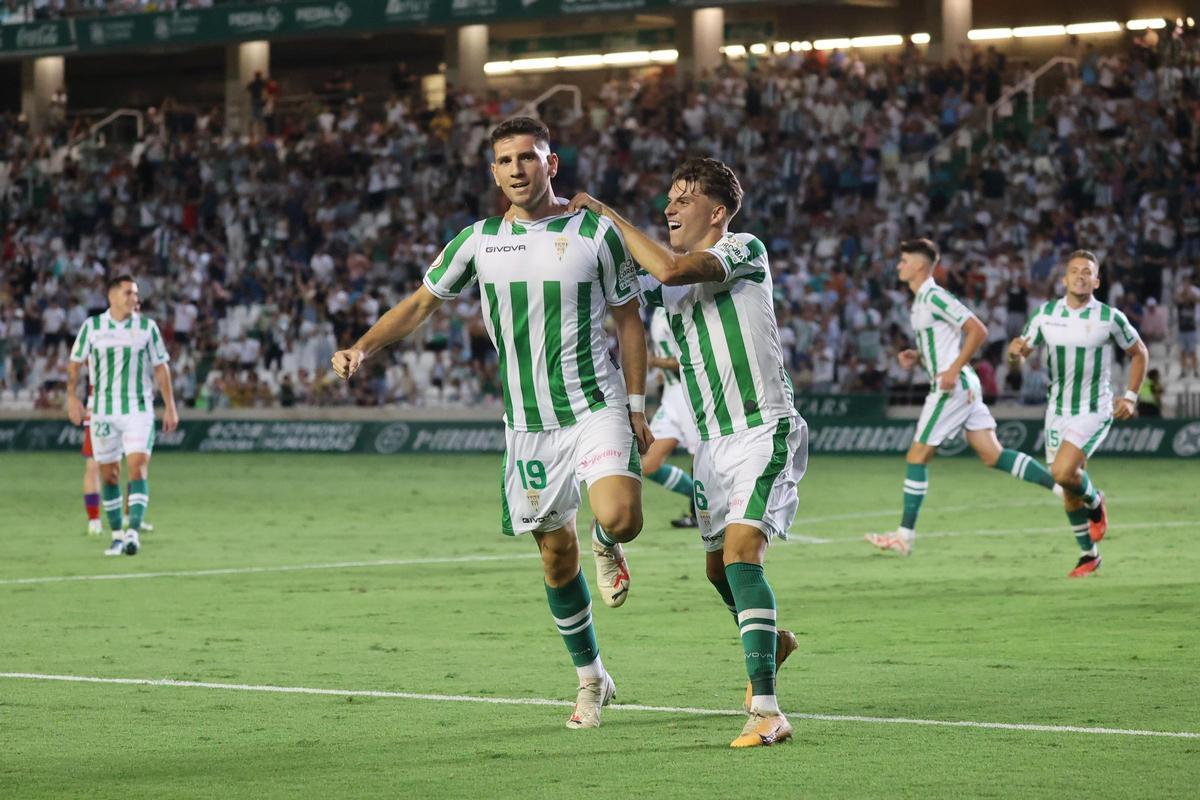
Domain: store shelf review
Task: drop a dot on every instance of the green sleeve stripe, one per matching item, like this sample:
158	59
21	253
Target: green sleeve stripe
619	256
583	347
144	323
435	275
653	297
756	508
1105	313
589	225
756	248
689	373
80	342
491	226
517	230
712	371
559	225
468	274
741	359
519	295
552	301
493	307
939	302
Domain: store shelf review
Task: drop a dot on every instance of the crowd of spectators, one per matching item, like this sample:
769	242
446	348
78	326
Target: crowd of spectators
17	12
261	255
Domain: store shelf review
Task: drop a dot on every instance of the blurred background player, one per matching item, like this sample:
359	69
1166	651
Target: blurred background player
548	278
753	449
673	423
126	358
91	480
955	402
1076	330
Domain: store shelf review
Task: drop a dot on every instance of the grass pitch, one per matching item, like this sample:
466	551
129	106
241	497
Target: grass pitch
980	625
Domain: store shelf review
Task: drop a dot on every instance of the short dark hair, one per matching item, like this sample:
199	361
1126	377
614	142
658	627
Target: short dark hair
1087	255
521	126
118	280
713	179
924	247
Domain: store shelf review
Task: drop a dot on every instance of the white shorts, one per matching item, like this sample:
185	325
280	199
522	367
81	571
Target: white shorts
539	488
947	413
674	419
116	435
1085	431
749	478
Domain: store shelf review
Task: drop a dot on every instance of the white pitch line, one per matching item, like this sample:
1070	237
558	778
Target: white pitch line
541	701
200	573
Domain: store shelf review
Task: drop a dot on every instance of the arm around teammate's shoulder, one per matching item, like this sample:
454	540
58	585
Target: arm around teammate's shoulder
669	268
400	321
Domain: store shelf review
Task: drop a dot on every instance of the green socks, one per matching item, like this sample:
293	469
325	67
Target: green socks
673	478
1079	527
139	498
756	619
1088	491
110	497
571	606
916	484
1024	467
601	535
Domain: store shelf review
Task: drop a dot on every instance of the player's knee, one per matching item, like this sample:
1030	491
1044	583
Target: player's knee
622	523
1064	474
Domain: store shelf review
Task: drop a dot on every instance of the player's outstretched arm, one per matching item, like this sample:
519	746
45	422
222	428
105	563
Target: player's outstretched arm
1139	358
162	377
669	268
400	321
631	334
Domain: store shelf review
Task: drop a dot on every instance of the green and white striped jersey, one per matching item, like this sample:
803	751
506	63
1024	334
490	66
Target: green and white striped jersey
662	341
121	357
545	287
728	341
937	318
1078	355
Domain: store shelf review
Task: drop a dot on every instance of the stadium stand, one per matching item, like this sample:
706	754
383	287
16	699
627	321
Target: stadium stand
260	257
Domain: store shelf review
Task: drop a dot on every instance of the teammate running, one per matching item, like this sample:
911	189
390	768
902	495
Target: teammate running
955	401
1076	330
673	423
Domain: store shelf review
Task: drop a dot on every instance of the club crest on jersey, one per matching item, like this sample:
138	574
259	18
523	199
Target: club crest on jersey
535	499
560	245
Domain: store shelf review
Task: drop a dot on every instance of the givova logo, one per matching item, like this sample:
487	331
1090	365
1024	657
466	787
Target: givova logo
505	248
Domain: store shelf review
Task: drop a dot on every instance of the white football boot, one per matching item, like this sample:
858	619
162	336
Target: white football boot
592	696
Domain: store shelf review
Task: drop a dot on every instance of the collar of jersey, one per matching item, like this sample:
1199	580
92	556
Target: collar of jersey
128	323
1074	312
529	223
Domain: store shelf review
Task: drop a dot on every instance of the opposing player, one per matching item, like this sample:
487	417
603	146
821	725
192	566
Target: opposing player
947	337
673	423
91	480
716	289
547	276
126	359
1076	330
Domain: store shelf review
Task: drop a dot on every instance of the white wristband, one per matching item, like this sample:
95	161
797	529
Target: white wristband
637	404
1131	396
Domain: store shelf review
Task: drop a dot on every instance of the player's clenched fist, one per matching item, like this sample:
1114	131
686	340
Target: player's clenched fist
347	362
1018	348
908	358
